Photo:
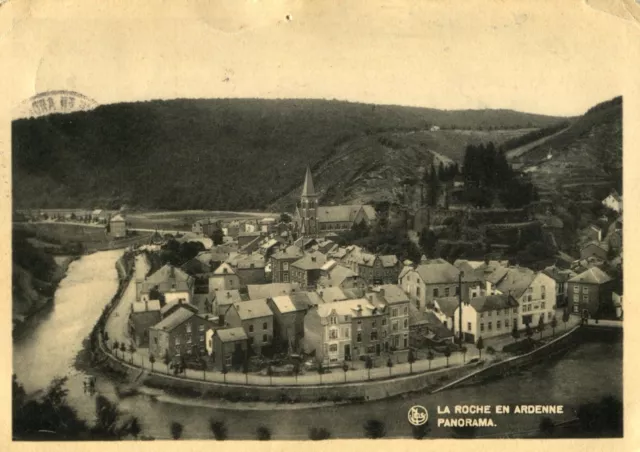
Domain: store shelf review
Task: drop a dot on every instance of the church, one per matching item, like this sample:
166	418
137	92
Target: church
313	220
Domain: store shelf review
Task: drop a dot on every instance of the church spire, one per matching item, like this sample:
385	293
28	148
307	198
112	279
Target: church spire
307	188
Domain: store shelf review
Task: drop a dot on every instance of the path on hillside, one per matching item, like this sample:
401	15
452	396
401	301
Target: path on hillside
521	150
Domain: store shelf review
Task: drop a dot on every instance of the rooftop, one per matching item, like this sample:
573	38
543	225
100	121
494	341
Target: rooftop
173	320
360	307
345	213
331	294
285	304
225	297
231	334
311	261
151	305
271	290
493	302
591	276
291	252
253	309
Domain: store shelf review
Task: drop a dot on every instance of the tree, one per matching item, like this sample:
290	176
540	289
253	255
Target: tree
132	350
420	431
107	414
345	368
554	325
389	364
430	357
528	331
368	362
285	217
270	373
123	348
263	433
176	430
105	336
116	347
447	354
374	429
463	349
134	427
166	359
245	370
217	236
411	358
480	346
546	426
565	317
320	370
218	429
541	325
152	360
515	333
428	242
203	363
224	371
318	433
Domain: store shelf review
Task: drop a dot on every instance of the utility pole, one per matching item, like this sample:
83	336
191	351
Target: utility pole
460	306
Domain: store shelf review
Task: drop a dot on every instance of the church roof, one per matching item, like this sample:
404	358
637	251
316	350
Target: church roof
307	188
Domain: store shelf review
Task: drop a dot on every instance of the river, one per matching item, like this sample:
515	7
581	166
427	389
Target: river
50	349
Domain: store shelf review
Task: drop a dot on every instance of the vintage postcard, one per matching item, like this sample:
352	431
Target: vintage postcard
318	220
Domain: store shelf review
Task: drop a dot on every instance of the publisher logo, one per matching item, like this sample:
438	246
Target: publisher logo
418	415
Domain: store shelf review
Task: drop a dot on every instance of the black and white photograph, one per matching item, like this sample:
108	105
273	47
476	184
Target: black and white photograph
317	220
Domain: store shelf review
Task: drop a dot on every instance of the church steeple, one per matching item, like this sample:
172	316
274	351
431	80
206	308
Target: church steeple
308	207
307	188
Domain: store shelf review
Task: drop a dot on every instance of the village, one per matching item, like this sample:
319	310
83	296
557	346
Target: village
279	297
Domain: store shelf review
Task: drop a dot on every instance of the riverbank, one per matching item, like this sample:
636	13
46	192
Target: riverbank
39	303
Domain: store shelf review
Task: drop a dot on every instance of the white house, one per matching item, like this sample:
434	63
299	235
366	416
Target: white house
486	316
613	202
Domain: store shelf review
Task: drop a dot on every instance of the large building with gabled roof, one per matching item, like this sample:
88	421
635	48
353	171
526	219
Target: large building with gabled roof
313	220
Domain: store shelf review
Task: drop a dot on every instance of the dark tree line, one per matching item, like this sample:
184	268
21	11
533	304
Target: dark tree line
488	176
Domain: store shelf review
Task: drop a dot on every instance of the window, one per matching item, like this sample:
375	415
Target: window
576	289
346	332
576	298
542	305
418	292
550	315
489	313
585	298
468	326
405	311
384	321
394	312
417	304
506	323
285	266
576	308
200	327
482	327
346	318
264	338
405	340
285	277
384	333
585	289
394	326
333	320
515	310
359	325
498	325
544	292
188	326
359	337
482	315
373	324
457	290
489	326
251	328
333	348
374	335
435	292
264	326
177	341
201	338
446	291
333	333
405	324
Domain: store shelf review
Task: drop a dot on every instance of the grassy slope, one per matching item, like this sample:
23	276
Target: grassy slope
210	154
586	155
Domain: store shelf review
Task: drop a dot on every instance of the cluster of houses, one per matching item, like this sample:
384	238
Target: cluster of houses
265	293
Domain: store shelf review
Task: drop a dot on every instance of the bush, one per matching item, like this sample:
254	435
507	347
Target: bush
374	429
491	350
318	433
520	347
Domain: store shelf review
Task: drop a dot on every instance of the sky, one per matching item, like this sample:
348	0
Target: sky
550	57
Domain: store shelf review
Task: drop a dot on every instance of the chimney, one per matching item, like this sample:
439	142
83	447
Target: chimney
359	310
599	235
228	294
487	288
382	292
313	258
